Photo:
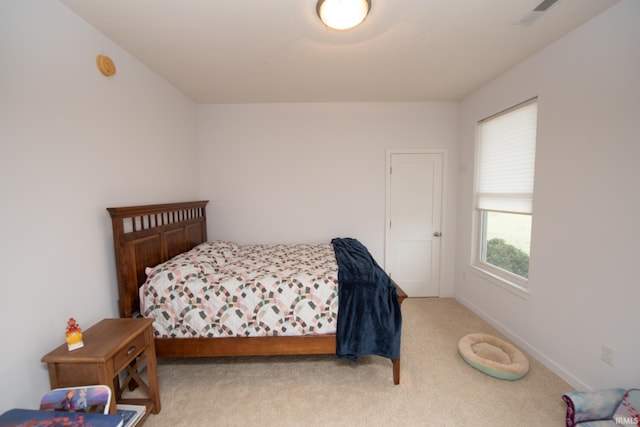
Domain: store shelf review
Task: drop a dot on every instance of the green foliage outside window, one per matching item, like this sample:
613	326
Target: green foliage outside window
507	257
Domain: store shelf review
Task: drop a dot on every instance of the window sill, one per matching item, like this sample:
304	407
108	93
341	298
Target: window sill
499	280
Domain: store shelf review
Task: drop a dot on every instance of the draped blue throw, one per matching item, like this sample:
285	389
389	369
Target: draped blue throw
369	317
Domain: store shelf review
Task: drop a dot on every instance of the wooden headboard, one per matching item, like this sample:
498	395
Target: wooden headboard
145	236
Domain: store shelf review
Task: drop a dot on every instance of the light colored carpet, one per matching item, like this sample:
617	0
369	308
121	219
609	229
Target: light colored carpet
437	388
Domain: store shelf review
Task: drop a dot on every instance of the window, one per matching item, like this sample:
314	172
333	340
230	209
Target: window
504	192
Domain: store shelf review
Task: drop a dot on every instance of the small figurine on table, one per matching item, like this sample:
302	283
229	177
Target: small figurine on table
74	335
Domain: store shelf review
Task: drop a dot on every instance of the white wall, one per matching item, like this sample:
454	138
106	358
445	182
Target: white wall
583	274
72	143
311	172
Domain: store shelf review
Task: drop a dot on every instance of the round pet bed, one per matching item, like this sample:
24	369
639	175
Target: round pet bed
493	356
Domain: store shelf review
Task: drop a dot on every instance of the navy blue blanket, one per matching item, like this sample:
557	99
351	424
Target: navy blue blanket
369	317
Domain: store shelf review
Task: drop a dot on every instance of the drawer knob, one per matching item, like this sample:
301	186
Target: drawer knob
131	350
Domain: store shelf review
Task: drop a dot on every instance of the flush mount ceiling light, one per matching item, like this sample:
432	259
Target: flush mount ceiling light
342	14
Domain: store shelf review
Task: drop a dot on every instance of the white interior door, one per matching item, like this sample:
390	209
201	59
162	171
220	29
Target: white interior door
414	222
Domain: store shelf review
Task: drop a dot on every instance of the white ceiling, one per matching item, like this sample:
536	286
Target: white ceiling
246	51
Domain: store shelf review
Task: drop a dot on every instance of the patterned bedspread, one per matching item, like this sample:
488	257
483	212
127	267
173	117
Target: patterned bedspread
224	289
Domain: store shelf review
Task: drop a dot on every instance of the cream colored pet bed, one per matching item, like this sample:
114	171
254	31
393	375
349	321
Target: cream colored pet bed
493	356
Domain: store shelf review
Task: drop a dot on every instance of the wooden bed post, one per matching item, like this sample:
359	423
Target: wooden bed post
396	371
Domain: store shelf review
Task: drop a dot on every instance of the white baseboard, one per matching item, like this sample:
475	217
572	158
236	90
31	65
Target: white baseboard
546	361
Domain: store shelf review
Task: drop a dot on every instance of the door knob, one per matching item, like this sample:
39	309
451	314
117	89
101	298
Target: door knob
437	233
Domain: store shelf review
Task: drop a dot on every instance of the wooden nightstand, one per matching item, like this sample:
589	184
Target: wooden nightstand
111	347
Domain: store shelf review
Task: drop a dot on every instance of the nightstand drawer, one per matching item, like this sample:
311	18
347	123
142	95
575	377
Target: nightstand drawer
129	352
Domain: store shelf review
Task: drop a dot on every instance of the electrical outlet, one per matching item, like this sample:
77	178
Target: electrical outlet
608	354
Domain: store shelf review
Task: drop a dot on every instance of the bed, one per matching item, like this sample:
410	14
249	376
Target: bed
148	237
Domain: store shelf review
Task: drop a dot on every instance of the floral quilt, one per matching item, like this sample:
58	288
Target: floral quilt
222	289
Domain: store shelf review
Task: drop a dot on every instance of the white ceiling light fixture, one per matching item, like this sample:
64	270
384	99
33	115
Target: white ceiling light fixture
342	14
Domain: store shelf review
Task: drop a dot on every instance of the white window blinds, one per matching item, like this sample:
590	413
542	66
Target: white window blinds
506	160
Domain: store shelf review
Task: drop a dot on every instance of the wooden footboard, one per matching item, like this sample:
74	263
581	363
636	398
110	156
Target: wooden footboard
145	236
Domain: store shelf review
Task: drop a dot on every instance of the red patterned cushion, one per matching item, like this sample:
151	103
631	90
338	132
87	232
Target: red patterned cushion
628	412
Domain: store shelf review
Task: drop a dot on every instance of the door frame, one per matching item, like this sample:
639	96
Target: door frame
387	215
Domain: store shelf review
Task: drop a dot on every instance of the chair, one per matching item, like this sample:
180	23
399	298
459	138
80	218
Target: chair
91	398
600	408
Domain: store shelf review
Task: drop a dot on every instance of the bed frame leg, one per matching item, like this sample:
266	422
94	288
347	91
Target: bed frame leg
396	371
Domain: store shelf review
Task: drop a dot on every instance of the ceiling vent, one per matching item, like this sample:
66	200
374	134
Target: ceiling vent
533	16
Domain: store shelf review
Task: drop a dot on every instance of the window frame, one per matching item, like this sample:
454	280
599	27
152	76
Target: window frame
496	275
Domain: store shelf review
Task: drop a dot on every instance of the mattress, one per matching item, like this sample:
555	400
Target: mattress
223	289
